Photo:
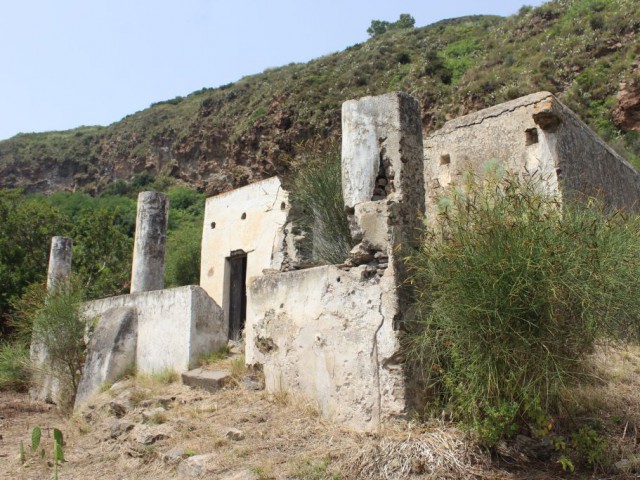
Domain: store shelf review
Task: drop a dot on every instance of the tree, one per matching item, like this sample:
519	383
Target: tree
378	27
102	254
26	228
405	21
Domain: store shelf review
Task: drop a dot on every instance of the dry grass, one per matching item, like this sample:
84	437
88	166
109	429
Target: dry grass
612	385
440	452
285	436
282	440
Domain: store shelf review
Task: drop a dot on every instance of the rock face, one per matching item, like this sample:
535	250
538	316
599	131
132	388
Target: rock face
626	114
111	351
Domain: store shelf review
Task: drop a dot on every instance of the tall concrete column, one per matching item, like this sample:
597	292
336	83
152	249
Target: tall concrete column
59	262
147	272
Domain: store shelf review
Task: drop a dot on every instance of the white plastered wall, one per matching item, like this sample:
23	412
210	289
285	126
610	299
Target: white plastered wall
251	219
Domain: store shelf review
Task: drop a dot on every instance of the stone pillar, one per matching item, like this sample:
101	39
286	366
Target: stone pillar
382	152
59	262
382	174
46	386
147	272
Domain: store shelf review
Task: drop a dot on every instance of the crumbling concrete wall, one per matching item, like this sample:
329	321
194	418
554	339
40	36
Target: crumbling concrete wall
584	162
532	134
327	333
175	327
382	144
111	351
250	219
381	140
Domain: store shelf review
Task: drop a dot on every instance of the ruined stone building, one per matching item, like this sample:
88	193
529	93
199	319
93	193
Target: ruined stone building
330	333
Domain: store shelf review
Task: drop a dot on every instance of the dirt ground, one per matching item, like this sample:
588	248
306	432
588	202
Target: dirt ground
149	429
280	438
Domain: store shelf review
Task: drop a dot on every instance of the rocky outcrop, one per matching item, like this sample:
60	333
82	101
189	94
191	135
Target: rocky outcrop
627	111
220	139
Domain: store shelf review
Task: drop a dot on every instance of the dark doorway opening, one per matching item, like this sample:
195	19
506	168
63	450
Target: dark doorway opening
237	293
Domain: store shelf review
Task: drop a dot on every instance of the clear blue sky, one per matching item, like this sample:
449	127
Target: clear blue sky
66	63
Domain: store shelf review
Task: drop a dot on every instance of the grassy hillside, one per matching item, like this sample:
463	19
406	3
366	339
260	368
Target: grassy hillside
585	51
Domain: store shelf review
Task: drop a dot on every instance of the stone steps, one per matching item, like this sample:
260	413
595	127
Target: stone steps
209	380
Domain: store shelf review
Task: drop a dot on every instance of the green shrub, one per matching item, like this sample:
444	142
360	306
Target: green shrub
183	256
185	198
318	208
511	293
102	253
59	326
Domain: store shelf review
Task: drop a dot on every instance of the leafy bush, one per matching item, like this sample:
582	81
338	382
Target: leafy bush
512	291
102	254
318	208
183	256
184	198
59	327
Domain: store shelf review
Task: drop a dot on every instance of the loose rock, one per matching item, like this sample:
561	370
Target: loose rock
234	434
120	427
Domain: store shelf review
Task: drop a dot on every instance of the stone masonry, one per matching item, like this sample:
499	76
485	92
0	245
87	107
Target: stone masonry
532	134
330	333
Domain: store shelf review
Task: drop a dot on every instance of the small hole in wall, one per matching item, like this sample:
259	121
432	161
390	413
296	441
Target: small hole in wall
213	225
283	205
243	216
531	136
445	159
338	279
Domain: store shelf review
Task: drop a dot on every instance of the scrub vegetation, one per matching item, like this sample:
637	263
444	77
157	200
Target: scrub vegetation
318	207
514	293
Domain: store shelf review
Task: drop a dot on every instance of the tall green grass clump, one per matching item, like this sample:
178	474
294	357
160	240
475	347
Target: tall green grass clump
16	369
318	208
14	366
512	291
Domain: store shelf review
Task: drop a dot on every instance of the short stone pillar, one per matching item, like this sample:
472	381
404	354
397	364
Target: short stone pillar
45	386
147	272
382	152
59	262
